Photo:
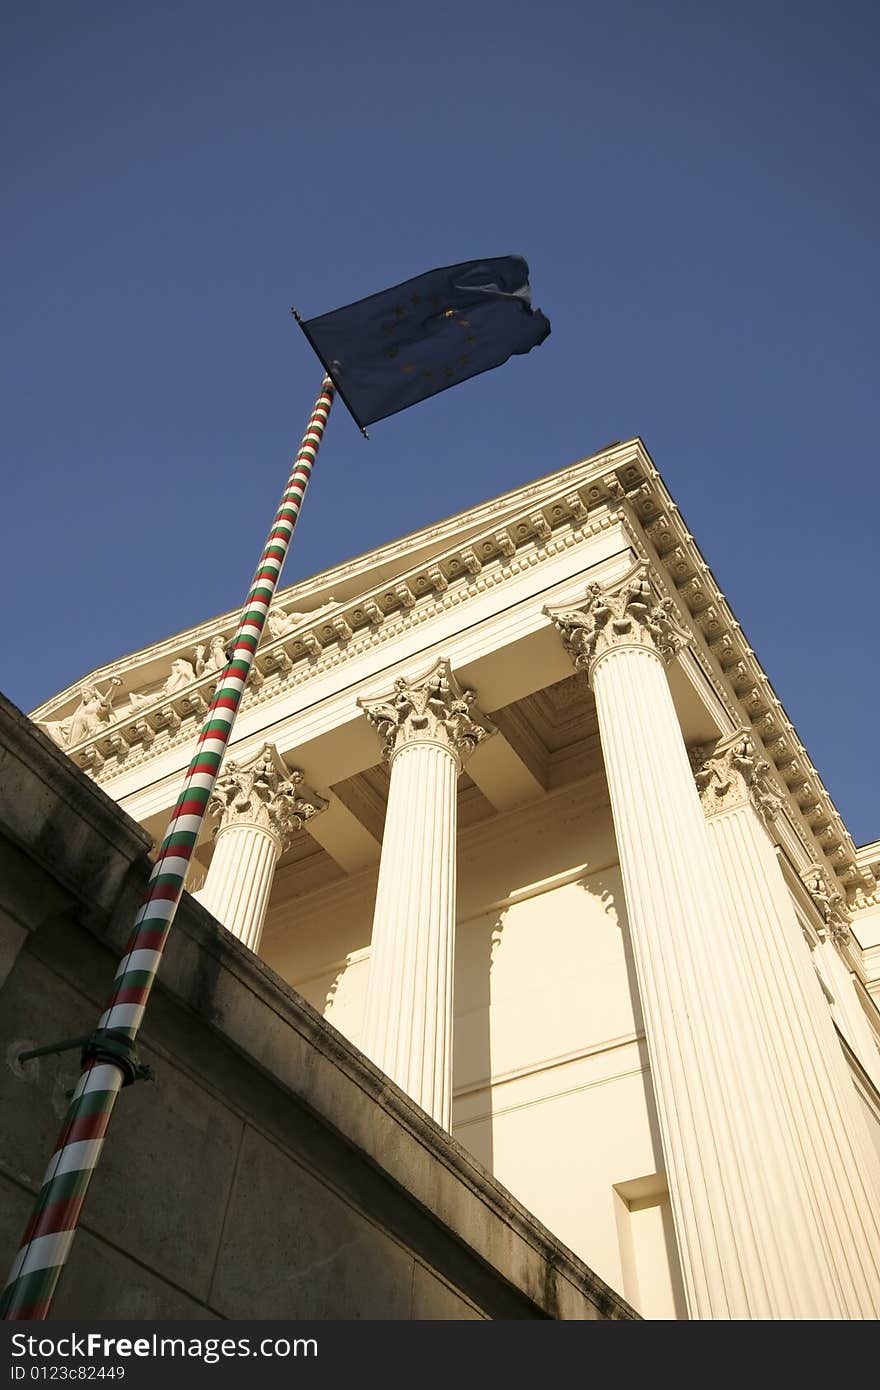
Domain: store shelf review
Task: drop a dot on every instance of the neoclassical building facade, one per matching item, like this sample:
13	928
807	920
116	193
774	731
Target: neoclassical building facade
513	804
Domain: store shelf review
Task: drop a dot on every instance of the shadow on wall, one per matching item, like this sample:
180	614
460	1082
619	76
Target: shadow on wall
479	947
607	888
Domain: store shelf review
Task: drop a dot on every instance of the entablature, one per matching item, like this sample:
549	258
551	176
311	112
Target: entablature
387	594
724	654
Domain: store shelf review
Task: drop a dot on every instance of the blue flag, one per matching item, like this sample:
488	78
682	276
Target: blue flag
402	345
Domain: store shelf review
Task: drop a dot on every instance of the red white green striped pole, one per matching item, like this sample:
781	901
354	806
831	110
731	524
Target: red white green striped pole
109	1059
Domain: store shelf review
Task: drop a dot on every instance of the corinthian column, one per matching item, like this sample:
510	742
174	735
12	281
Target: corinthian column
747	1236
257	806
428	727
834	934
837	1167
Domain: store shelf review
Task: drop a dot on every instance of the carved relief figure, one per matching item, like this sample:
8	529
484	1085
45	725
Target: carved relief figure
93	711
182	675
280	623
216	660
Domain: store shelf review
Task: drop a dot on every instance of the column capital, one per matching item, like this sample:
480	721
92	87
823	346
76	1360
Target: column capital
731	773
828	902
265	793
624	614
430	708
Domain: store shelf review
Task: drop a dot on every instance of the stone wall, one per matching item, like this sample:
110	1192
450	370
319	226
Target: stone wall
269	1170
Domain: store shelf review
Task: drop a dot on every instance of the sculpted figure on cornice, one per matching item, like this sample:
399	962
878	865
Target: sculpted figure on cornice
828	901
430	708
182	674
263	791
216	658
731	773
91	714
280	623
624	614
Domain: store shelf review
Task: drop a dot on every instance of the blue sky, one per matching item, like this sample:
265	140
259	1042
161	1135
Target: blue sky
694	186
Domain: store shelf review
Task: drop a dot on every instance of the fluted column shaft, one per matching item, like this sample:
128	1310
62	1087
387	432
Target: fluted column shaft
746	1237
408	1023
860	1035
837	1167
239	881
427	727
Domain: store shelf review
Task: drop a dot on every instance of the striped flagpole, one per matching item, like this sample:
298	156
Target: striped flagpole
108	1060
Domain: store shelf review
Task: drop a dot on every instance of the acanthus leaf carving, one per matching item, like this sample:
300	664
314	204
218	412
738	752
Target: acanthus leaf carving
471	561
144	731
504	544
431	708
438	579
373	613
263	791
828	902
405	596
194	702
540	525
576	506
167	718
619	615
731	773
613	486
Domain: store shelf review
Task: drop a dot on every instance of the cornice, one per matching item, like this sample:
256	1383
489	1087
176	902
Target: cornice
373	618
868	861
661	536
618	456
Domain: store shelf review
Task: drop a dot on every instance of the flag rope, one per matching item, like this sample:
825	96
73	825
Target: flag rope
109	1059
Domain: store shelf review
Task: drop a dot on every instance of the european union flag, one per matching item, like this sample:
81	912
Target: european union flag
392	349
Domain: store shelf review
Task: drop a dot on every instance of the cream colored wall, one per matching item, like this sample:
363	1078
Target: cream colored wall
545	1005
